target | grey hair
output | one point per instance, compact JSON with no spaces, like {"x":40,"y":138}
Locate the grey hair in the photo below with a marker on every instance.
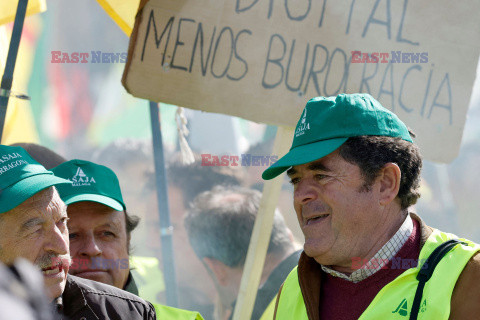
{"x":221,"y":228}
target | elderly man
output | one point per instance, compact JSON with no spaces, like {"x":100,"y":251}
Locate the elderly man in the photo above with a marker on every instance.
{"x":219,"y":226}
{"x":356,"y":172}
{"x":33,"y":225}
{"x":100,"y":229}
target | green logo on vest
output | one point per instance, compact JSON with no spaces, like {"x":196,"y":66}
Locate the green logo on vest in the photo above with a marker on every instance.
{"x":423,"y":308}
{"x":402,"y":308}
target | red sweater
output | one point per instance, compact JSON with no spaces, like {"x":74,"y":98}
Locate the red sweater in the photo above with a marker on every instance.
{"x":344,"y":300}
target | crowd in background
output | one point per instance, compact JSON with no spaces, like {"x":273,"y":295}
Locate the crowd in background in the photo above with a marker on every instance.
{"x":102,"y":124}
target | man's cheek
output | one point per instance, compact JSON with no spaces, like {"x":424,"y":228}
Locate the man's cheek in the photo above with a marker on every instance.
{"x":8,"y":252}
{"x":3,"y":256}
{"x":299,"y":216}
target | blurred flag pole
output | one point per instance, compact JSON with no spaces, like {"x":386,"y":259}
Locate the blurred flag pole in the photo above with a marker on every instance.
{"x":7,"y":78}
{"x":166,"y":230}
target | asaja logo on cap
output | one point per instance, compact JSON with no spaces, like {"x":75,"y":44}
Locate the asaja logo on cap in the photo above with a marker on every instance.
{"x":8,"y":157}
{"x":81,"y":179}
{"x":303,"y":125}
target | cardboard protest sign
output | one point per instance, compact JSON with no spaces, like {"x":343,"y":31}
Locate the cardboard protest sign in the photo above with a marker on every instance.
{"x":263,"y":59}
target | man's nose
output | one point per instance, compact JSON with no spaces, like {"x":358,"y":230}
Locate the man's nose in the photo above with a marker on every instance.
{"x":89,"y":246}
{"x":58,"y":242}
{"x":305,"y":191}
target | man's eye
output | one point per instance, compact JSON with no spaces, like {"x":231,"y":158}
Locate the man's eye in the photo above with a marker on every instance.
{"x":294,"y":181}
{"x":109,"y":234}
{"x":320,"y":176}
{"x":36,"y":230}
{"x":72,"y":235}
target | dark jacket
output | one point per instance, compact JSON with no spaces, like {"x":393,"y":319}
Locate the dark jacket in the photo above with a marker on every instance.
{"x":84,"y":299}
{"x":131,"y":285}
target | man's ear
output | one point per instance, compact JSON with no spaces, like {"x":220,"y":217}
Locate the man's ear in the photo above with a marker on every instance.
{"x":389,"y":182}
{"x":218,"y":269}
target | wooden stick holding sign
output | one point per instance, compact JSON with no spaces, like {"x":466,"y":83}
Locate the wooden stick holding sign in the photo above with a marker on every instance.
{"x":262,"y":230}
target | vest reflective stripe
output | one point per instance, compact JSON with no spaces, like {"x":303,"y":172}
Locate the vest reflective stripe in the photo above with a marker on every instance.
{"x":169,"y":313}
{"x":395,"y":300}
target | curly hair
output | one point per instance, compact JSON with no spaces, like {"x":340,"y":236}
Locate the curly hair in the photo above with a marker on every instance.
{"x":371,"y":153}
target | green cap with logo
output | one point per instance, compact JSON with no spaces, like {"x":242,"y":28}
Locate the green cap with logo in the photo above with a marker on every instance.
{"x":21,"y":177}
{"x":90,"y":182}
{"x":327,"y":122}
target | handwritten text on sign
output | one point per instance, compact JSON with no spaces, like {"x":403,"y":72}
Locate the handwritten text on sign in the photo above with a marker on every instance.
{"x":263,"y":59}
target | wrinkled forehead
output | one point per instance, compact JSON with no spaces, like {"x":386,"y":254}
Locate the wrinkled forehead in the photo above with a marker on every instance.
{"x":46,"y":204}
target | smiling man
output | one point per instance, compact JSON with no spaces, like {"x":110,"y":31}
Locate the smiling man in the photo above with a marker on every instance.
{"x":33,"y":219}
{"x":356,"y":172}
{"x":33,"y":225}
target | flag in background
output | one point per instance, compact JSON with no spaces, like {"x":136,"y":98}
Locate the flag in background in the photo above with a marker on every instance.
{"x":118,"y":114}
{"x":82,"y":106}
{"x":122,"y":12}
{"x":19,"y":122}
{"x":8,"y":9}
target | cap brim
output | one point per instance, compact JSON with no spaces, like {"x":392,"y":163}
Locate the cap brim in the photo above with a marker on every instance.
{"x":303,"y":154}
{"x":112,"y":203}
{"x":26,"y":188}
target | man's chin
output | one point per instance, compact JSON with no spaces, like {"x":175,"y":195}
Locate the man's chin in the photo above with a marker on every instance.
{"x":320,"y":254}
{"x":55,"y":284}
{"x":314,"y":248}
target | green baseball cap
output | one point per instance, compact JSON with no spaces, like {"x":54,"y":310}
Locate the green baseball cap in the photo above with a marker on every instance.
{"x":21,"y":177}
{"x":90,"y":182}
{"x":327,"y":122}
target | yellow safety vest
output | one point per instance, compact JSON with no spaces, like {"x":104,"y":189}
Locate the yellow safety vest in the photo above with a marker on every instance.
{"x":169,"y":313}
{"x":149,"y":279}
{"x":394,"y":301}
{"x":269,"y":311}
